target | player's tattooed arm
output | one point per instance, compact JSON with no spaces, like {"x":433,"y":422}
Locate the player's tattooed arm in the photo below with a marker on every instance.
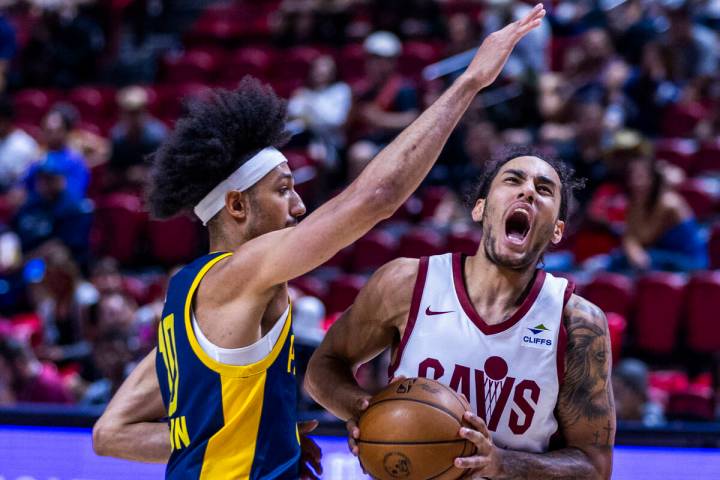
{"x":129,"y":428}
{"x":586,"y":411}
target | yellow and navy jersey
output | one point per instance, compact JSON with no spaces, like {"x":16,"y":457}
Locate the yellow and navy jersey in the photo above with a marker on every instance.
{"x":226,"y":421}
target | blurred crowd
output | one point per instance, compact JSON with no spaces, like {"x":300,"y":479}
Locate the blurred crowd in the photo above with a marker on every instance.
{"x":626,"y":91}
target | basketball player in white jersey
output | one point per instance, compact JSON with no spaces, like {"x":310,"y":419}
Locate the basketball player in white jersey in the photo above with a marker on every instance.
{"x":532,"y":358}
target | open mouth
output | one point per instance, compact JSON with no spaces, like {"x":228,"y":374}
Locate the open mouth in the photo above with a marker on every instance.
{"x":517,"y":226}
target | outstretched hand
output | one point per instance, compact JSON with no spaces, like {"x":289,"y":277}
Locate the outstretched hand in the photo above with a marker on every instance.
{"x":496,"y":48}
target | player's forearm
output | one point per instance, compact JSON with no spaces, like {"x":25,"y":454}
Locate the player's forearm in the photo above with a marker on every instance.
{"x":400,"y":167}
{"x":566,"y":463}
{"x":141,"y":442}
{"x":331,"y":383}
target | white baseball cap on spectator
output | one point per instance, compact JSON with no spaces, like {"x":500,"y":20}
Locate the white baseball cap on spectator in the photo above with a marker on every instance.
{"x":383,"y":44}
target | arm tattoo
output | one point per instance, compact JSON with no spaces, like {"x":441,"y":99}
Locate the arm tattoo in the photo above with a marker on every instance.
{"x":585,"y":395}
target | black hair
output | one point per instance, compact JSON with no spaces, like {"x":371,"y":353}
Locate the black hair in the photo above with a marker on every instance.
{"x":220,"y":131}
{"x":569,"y":183}
{"x":7,"y":109}
{"x":68,"y":113}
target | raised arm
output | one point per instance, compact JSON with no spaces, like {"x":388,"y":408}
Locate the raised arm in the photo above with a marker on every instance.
{"x":586,"y":412}
{"x":385,"y":183}
{"x":129,"y":428}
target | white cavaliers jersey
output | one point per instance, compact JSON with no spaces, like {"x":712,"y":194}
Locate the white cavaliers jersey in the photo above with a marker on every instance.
{"x":510,"y":372}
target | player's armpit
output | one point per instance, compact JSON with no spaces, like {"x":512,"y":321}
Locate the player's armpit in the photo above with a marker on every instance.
{"x":367,"y":328}
{"x":586,"y":407}
{"x":129,"y":427}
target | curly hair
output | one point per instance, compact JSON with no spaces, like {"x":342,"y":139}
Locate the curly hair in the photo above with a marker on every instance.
{"x":566,"y":173}
{"x":220,"y":131}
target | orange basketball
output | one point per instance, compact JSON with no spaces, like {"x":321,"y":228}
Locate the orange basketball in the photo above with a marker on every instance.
{"x":411,"y":431}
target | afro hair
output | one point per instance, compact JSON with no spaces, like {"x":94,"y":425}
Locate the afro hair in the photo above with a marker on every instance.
{"x":220,"y":131}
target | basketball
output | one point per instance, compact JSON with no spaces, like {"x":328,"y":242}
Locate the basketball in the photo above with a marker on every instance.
{"x":411,"y":430}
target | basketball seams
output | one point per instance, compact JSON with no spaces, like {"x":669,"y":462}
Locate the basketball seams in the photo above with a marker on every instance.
{"x":424,"y":402}
{"x":434,"y":442}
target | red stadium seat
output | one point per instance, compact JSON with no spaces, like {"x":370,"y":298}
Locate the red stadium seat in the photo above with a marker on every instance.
{"x":678,"y":151}
{"x":420,"y":242}
{"x":311,"y":285}
{"x":466,"y":241}
{"x":247,"y":61}
{"x":700,"y":196}
{"x":659,"y":300}
{"x":703,"y":305}
{"x":714,"y":247}
{"x":341,"y":260}
{"x":194,"y":66}
{"x":589,"y":242}
{"x":616,"y":326}
{"x":351,"y":62}
{"x":118,"y":226}
{"x":707,"y":158}
{"x":432,"y":197}
{"x":95,"y":105}
{"x":170,"y":98}
{"x":680,"y":120}
{"x":696,"y":403}
{"x":175,"y":241}
{"x":295,"y":63}
{"x":31,"y":105}
{"x":373,"y":251}
{"x":214,"y":31}
{"x":342,"y":292}
{"x":611,"y":292}
{"x":416,"y":56}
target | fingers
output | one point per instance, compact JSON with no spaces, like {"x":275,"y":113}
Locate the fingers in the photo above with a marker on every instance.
{"x":477,"y":423}
{"x":353,"y":435}
{"x":311,"y":451}
{"x":481,"y":442}
{"x":307,"y":426}
{"x":476,"y":461}
{"x":531,"y":20}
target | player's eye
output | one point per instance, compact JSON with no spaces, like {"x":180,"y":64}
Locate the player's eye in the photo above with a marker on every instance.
{"x":545,"y":190}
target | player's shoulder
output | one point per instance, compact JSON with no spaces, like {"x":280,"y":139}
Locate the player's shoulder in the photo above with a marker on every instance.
{"x":580,"y":312}
{"x":396,"y":276}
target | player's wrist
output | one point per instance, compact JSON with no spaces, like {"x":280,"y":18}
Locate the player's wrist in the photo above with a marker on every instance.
{"x":471,"y":82}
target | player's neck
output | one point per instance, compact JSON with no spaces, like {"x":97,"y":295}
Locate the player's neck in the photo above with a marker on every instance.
{"x":222,"y":242}
{"x":495,"y":292}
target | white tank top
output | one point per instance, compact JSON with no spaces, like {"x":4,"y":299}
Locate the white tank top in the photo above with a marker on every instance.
{"x":510,"y":372}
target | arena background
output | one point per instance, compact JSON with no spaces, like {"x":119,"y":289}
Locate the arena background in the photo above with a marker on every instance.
{"x":89,"y":88}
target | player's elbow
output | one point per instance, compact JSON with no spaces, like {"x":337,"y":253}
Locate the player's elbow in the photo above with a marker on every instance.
{"x":311,"y":382}
{"x":102,"y":434}
{"x":384,"y":200}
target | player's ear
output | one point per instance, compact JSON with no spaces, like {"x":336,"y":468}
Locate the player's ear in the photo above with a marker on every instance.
{"x":478,"y":210}
{"x":558,"y":232}
{"x":236,"y":203}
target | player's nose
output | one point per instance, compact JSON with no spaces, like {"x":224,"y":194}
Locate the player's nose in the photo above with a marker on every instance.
{"x":297,"y":207}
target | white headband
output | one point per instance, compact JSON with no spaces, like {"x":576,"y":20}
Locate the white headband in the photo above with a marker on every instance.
{"x":247,"y":175}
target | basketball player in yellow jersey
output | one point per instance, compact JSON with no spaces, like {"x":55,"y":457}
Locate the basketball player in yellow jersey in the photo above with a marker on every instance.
{"x":223,"y":371}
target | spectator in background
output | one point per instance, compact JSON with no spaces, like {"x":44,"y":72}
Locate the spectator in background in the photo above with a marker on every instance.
{"x":385,"y":102}
{"x":63,"y":300}
{"x":661,"y":232}
{"x":66,"y":162}
{"x":323,"y":106}
{"x":64,"y":48}
{"x":113,"y":359}
{"x":689,"y":49}
{"x":532,"y":53}
{"x":17,"y":149}
{"x":30,"y":379}
{"x":630,"y":386}
{"x":8,"y":48}
{"x":52,"y":211}
{"x":632,"y":28}
{"x":134,"y":137}
{"x":462,"y":34}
